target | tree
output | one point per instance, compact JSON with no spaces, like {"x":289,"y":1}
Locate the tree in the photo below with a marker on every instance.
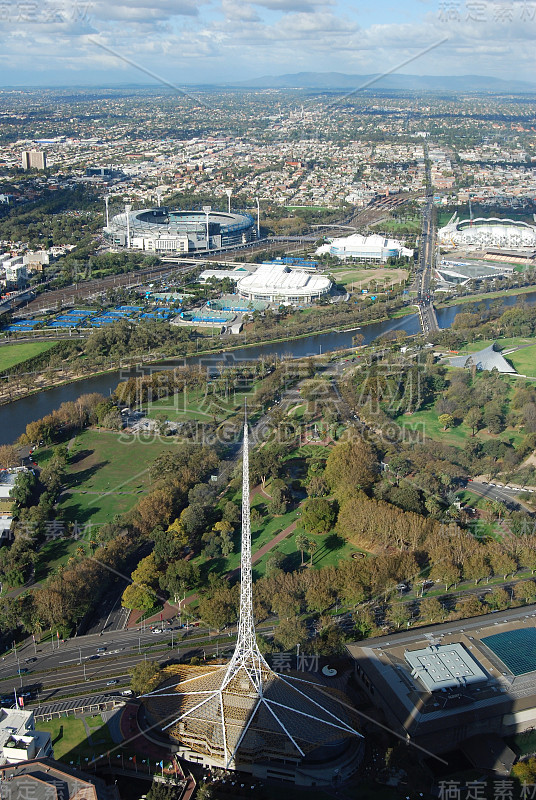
{"x":351,"y":465}
{"x":302,"y":543}
{"x":446,"y":571}
{"x":146,"y":571}
{"x":9,"y":456}
{"x":312,"y":547}
{"x":399,"y":614}
{"x":179,"y":578}
{"x":138,"y":597}
{"x":224,"y":531}
{"x":144,"y":677}
{"x":525,"y":591}
{"x":431,"y":610}
{"x":473,"y":418}
{"x":446,"y":420}
{"x":25,"y":489}
{"x":290,"y":632}
{"x":498,"y":599}
{"x":318,"y":515}
{"x":220,"y":608}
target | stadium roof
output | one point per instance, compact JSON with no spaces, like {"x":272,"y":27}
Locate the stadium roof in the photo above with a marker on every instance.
{"x":281,"y":278}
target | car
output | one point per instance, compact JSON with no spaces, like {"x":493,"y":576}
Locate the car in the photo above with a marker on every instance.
{"x":30,"y":660}
{"x":23,"y":670}
{"x":127,"y":693}
{"x":101,"y":649}
{"x":93,"y":657}
{"x":113,"y":682}
{"x":157,"y":630}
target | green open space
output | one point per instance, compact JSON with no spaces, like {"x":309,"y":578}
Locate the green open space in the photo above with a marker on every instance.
{"x":12,"y":354}
{"x":383,"y":275}
{"x":70,"y":740}
{"x":56,"y":553}
{"x":502,"y":344}
{"x":107,"y":474}
{"x":524,"y":361}
{"x":331,"y":550}
{"x":426,"y":422}
{"x":201,"y":405}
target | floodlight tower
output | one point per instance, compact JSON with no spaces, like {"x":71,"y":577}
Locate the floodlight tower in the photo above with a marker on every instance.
{"x":229,"y":192}
{"x":128,"y":209}
{"x":258,"y":218}
{"x":106,"y":201}
{"x":159,"y":196}
{"x":207,"y":210}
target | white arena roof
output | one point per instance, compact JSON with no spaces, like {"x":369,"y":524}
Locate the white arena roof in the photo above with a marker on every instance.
{"x":279,"y":282}
{"x":444,"y":667}
{"x":358,"y":246}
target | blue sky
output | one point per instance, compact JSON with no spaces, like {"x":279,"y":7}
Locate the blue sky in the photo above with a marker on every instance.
{"x":52,"y":42}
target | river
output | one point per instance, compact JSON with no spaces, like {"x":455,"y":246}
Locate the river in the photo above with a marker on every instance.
{"x":15,"y":416}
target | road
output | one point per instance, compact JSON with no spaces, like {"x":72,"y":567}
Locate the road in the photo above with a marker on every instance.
{"x":79,"y":665}
{"x":503,"y":494}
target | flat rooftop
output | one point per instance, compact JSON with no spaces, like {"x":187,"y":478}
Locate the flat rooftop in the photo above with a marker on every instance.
{"x":444,"y":666}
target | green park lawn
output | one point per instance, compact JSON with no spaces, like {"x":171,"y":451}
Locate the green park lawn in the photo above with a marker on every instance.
{"x":12,"y":354}
{"x":331,"y":549}
{"x":107,"y":474}
{"x":524,"y":361}
{"x":503,"y":344}
{"x":69,"y":738}
{"x":426,"y":423}
{"x":195,"y":404}
{"x":347,"y":275}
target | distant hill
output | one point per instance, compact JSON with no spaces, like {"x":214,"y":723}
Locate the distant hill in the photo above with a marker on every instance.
{"x":340,"y":80}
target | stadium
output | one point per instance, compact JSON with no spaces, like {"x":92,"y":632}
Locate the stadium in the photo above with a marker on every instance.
{"x":165,"y":230}
{"x":278,"y":283}
{"x":482,"y":233}
{"x":374,"y":249}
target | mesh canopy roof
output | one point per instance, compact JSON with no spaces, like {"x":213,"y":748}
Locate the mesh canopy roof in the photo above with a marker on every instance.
{"x":226,"y":719}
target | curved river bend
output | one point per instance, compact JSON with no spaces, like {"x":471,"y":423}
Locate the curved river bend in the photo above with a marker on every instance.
{"x":15,"y":416}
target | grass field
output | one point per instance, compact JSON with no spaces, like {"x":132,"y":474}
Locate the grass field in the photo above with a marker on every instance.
{"x":503,"y":344}
{"x":107,"y":474}
{"x":524,"y":361}
{"x":69,"y":738}
{"x":13,"y":354}
{"x":363,"y":277}
{"x":426,"y":423}
{"x":331,"y":549}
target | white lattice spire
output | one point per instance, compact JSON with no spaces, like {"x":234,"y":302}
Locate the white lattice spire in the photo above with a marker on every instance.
{"x":219,"y":709}
{"x":247,"y":654}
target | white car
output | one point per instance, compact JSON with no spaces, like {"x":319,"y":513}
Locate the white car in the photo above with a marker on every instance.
{"x":157,"y":630}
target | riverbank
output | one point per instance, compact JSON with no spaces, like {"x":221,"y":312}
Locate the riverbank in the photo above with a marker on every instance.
{"x":475,"y":298}
{"x":14,"y":394}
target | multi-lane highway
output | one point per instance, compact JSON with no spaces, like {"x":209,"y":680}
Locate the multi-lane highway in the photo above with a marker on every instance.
{"x":90,"y":663}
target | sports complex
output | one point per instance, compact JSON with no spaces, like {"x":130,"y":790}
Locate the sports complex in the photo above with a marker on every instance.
{"x":483,"y":232}
{"x":162,"y":229}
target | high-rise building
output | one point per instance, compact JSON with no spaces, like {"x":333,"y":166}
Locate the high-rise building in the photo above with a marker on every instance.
{"x":247,"y":717}
{"x":34,"y":159}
